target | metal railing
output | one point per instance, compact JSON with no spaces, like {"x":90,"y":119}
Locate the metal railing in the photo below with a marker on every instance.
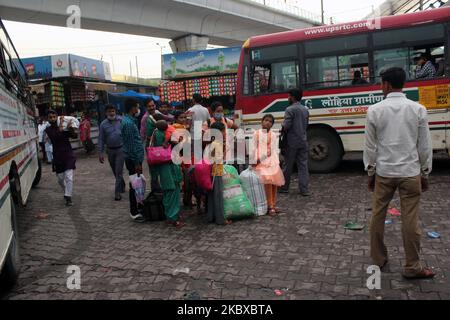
{"x":291,"y":9}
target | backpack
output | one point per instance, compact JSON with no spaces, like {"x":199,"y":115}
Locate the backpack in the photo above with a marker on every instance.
{"x":154,"y":208}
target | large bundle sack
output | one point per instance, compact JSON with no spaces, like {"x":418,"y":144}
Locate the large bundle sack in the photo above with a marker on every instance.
{"x":235,"y":201}
{"x":254,"y":190}
{"x":64,"y":121}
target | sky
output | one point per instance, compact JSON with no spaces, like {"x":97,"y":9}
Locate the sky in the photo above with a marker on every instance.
{"x":121,"y":50}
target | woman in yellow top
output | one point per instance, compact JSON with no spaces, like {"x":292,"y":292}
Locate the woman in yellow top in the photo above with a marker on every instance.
{"x":218,"y":116}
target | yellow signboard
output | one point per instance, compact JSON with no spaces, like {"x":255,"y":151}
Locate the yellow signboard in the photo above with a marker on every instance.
{"x":435,"y":97}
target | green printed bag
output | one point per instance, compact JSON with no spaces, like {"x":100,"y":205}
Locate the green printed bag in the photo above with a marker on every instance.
{"x":235,"y":201}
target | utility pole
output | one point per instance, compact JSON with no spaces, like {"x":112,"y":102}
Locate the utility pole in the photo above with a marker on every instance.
{"x":137,"y":68}
{"x":131,"y":72}
{"x":112,"y":60}
{"x":322,"y":11}
{"x":421,"y":5}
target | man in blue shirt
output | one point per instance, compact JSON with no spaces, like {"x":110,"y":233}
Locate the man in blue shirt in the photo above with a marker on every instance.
{"x":110,"y":134}
{"x":133,"y":151}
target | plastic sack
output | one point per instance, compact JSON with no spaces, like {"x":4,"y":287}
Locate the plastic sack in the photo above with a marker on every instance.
{"x":138,"y":184}
{"x":202,"y":176}
{"x":254,"y":190}
{"x":235,"y":201}
{"x":66,"y":120}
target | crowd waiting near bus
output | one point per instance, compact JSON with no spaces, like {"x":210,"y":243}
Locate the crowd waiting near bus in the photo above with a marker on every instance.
{"x":397,"y":155}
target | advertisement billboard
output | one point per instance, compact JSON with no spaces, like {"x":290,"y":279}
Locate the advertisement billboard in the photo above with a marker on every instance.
{"x":200,"y":63}
{"x":86,"y":68}
{"x":38,"y":68}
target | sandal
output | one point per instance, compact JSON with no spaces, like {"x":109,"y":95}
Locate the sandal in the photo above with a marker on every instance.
{"x":425,"y":273}
{"x":228,"y":222}
{"x":272,"y":212}
{"x":179,"y":224}
{"x":277,"y":210}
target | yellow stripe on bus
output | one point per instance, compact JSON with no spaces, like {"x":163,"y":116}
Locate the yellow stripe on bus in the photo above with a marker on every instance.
{"x":11,"y":155}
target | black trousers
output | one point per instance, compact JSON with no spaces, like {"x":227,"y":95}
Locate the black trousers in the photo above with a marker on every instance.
{"x":134,"y":206}
{"x":44,"y":155}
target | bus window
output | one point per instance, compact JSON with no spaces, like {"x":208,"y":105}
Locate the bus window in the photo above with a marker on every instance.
{"x":261,"y":77}
{"x":337,"y":70}
{"x":325,"y":46}
{"x":421,"y":34}
{"x":407,"y":58}
{"x":322,"y":72}
{"x":272,"y":53}
{"x":284,"y":76}
{"x":386,"y":59}
{"x":275,"y":77}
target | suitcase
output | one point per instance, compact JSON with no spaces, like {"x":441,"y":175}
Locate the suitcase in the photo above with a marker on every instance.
{"x":154,"y":208}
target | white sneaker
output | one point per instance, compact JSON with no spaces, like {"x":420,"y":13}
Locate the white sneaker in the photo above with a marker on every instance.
{"x":137,"y":218}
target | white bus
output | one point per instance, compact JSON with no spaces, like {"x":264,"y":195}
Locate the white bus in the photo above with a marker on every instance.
{"x":19,"y":164}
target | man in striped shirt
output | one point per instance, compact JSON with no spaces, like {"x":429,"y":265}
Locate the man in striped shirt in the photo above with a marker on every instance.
{"x":425,"y":68}
{"x":133,"y":151}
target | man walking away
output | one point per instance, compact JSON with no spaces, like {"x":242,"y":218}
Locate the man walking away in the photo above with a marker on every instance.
{"x":110,"y":134}
{"x":397,"y":155}
{"x":63,"y":157}
{"x":133,"y":151}
{"x":296,"y":120}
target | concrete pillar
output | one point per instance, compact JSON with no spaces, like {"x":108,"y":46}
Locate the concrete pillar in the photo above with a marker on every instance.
{"x":190,"y":42}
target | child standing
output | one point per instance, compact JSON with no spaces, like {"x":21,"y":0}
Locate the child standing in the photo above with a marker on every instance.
{"x":267,"y":165}
{"x":215,"y":208}
{"x":169,"y":176}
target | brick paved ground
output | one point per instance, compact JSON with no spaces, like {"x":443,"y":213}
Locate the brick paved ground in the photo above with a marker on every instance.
{"x":250,"y":259}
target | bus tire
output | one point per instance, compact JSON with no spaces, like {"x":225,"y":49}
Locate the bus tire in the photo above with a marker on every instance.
{"x":325,"y":150}
{"x":15,"y":187}
{"x":38,"y":176}
{"x":11,"y":267}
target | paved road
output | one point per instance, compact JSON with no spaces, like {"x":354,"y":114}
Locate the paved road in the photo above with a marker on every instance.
{"x":250,"y":259}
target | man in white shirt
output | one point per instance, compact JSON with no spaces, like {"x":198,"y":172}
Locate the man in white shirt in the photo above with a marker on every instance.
{"x":42,"y":125}
{"x":198,"y":113}
{"x":397,"y":155}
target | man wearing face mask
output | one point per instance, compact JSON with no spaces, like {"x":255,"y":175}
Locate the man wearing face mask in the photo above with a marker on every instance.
{"x":63,"y":157}
{"x":133,"y":151}
{"x":110,"y":135}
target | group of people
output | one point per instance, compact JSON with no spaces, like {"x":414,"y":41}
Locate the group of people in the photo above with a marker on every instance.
{"x":126,"y":144}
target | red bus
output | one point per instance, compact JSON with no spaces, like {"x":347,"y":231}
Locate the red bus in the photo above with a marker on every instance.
{"x":338,"y":67}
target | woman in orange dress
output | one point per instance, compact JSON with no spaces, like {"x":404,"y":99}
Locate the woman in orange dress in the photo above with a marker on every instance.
{"x":267,"y":165}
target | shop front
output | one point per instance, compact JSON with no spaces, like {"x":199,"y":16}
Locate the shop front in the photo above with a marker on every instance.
{"x":212,"y":73}
{"x":72,"y":85}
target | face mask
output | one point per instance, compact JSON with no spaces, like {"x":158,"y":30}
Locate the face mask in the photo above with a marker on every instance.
{"x":53,"y":123}
{"x":111,"y":118}
{"x":218,"y":116}
{"x":137,"y":114}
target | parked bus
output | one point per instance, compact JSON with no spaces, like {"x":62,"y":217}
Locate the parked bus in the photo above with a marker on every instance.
{"x":19,"y":164}
{"x":338,"y":67}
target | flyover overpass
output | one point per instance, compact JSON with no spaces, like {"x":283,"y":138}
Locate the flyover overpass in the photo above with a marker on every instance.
{"x":191,"y":24}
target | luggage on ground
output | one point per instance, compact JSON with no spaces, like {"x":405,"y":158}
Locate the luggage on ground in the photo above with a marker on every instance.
{"x":254,"y":190}
{"x":154,"y":208}
{"x":235,"y":201}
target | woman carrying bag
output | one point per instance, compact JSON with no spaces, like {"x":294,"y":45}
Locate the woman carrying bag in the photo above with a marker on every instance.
{"x":168,"y":174}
